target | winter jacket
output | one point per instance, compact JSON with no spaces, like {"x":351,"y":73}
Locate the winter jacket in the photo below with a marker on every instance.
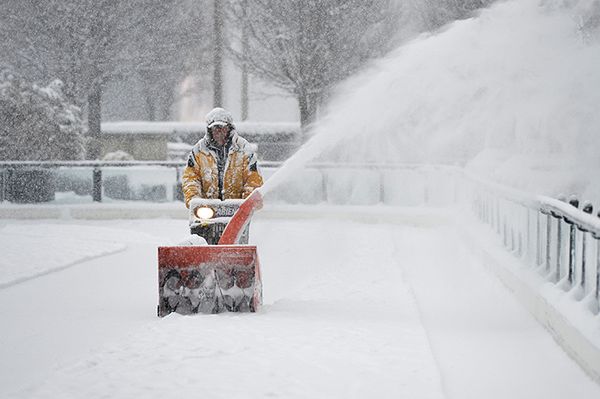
{"x":221,"y":173}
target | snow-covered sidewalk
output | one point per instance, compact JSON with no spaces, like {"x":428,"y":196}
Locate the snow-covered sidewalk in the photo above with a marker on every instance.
{"x":31,"y":250}
{"x":351,"y":310}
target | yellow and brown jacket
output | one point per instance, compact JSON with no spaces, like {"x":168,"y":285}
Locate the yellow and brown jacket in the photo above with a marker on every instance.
{"x":221,"y":173}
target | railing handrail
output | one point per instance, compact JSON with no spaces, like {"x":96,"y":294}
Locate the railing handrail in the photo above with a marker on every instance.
{"x":569,"y":213}
{"x":57,"y":164}
{"x":265,"y":164}
{"x":544,"y":204}
{"x":508,"y":193}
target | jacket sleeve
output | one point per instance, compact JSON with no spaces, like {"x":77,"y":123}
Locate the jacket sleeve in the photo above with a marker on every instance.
{"x":253,"y":178}
{"x":191,"y":180}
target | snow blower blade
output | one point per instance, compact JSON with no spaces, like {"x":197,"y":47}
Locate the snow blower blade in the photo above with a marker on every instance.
{"x":212,"y":278}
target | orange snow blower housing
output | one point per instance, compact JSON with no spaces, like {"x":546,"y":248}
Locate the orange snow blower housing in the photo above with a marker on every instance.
{"x":213,"y":278}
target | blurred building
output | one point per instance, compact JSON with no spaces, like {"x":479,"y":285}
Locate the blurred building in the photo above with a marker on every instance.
{"x":274,"y":141}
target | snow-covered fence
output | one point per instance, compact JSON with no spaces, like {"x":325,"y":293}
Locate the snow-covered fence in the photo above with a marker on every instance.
{"x":557,"y":245}
{"x":367,"y":184}
{"x":97,"y":172}
{"x":556,"y":238}
{"x":338,"y":184}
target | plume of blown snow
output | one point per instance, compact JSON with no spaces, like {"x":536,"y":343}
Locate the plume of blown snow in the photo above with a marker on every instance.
{"x":512,"y":93}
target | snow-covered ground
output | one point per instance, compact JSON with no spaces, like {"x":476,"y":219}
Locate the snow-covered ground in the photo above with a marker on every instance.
{"x":393,"y":306}
{"x":351,"y":310}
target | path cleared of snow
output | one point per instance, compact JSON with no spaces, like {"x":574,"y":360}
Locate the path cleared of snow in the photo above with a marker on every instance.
{"x":351,"y":310}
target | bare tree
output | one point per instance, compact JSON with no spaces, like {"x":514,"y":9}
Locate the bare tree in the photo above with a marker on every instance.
{"x":218,"y":48}
{"x":305,"y":47}
{"x":74,"y":40}
{"x":177,"y":44}
{"x":428,"y":15}
{"x":87,"y":42}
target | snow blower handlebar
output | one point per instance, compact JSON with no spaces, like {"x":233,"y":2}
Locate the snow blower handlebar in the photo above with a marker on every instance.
{"x":236,"y":225}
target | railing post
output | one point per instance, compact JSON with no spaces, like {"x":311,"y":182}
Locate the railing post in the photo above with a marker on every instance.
{"x":597,"y":294}
{"x":517,"y":234}
{"x":425,"y":193}
{"x":511,"y":229}
{"x":558,"y":248}
{"x":528,"y":234}
{"x":548,"y":242}
{"x":490,"y":212}
{"x":572,"y":243}
{"x":177,"y":189}
{"x":10,"y":175}
{"x":381,"y":186}
{"x":538,"y":241}
{"x":324,"y":185}
{"x":483,"y":209}
{"x":498,"y":216}
{"x":587,"y":208}
{"x":97,"y":184}
{"x":4,"y":185}
{"x":597,"y":289}
{"x":504,"y":232}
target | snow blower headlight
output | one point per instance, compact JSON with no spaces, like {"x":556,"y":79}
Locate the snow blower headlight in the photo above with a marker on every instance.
{"x":204,"y":212}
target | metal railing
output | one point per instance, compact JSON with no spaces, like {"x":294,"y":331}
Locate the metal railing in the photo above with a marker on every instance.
{"x":556,"y":237}
{"x":327,"y":185}
{"x":7,"y":169}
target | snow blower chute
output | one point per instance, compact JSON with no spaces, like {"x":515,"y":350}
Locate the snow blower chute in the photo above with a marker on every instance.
{"x":219,"y":275}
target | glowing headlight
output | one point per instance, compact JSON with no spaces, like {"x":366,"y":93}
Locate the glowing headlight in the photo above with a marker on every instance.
{"x":204,"y":212}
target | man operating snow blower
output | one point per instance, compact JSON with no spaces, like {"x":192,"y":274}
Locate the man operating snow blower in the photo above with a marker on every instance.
{"x":220,"y":185}
{"x":222,"y":166}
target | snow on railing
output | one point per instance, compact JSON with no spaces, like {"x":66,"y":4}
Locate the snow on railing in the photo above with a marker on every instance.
{"x":555,"y":237}
{"x":367,"y":184}
{"x":334,"y":183}
{"x":9,"y":168}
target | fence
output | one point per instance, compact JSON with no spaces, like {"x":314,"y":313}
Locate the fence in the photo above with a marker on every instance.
{"x":557,"y":238}
{"x":9,"y":174}
{"x":358,"y":184}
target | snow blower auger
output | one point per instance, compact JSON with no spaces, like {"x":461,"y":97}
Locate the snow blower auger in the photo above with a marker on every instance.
{"x":201,"y":277}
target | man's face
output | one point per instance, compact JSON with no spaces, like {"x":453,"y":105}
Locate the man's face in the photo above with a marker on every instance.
{"x":220,"y":134}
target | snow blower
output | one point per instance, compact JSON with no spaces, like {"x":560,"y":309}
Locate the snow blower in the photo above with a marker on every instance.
{"x":215,"y":270}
